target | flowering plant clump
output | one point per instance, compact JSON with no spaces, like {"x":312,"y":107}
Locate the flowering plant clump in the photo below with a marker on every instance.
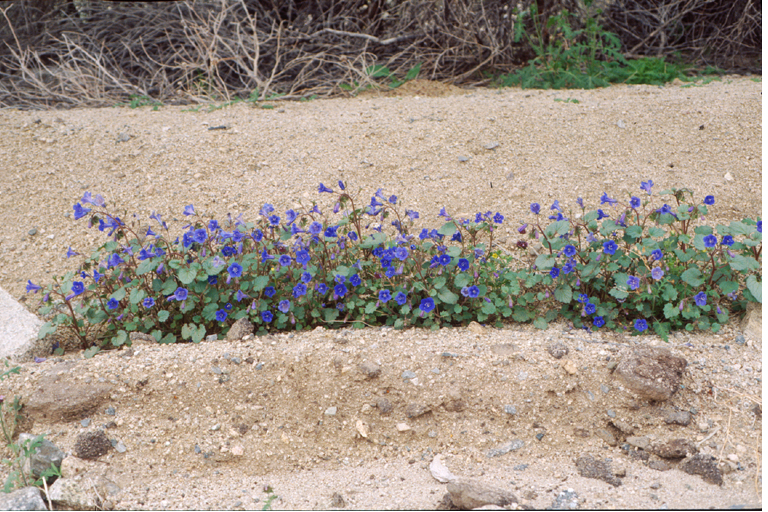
{"x":632,"y":268}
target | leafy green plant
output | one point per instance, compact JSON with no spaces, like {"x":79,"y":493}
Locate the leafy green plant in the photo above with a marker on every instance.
{"x":138,"y":101}
{"x":633,"y":267}
{"x":568,"y":100}
{"x":381,"y":71}
{"x":270,"y":498}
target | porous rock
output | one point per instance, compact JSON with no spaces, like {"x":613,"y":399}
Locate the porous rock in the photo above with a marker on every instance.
{"x":752,"y":324}
{"x":26,"y":498}
{"x":416,"y":410}
{"x":42,"y":457}
{"x":468,"y":494}
{"x":674,"y":449}
{"x":369,"y":369}
{"x":652,"y":373}
{"x":704,"y":466}
{"x":67,"y":493}
{"x":589,"y":467}
{"x":92,"y":445}
{"x":384,"y":405}
{"x":557,"y":349}
{"x":678,"y":418}
{"x":60,"y":397}
{"x":239,"y":330}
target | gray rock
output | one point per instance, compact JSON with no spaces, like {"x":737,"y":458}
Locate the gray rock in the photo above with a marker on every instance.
{"x":704,"y":466}
{"x":641,"y":442}
{"x":589,"y":467}
{"x":513,"y":445}
{"x":566,"y":500}
{"x":42,"y":457}
{"x":674,"y":449}
{"x":384,"y":405}
{"x":408,"y":374}
{"x":557,"y":349}
{"x":416,"y":410}
{"x":659,"y":465}
{"x":239,"y":330}
{"x":678,"y":418}
{"x":337,"y":501}
{"x":606,"y":436}
{"x":623,"y":426}
{"x":67,"y":493}
{"x":123,"y":137}
{"x":60,"y":397}
{"x":510,"y":409}
{"x":467,"y":494}
{"x":18,"y":328}
{"x":652,"y":373}
{"x":91,"y":445}
{"x":27,"y":498}
{"x":138,"y":338}
{"x":752,"y":324}
{"x":369,"y":369}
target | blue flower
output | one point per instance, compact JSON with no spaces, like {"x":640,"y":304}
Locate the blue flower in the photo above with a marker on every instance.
{"x":657,"y":273}
{"x":71,"y":253}
{"x":554,"y":272}
{"x":580,"y":202}
{"x":78,"y":287}
{"x":323,"y":188}
{"x":213,"y":280}
{"x":568,"y":267}
{"x":355,"y":280}
{"x":759,"y":226}
{"x":221,"y":315}
{"x":285,"y":260}
{"x":401,"y":253}
{"x":237,"y":236}
{"x":427,"y":305}
{"x":180,"y":294}
{"x":200,"y":235}
{"x":727,"y":240}
{"x":235,"y":270}
{"x":341,"y":185}
{"x":634,"y":202}
{"x":306,"y":277}
{"x":340,"y":290}
{"x":605,"y":199}
{"x":609,"y":247}
{"x":257,"y":235}
{"x":633,"y":282}
{"x":710,"y":241}
{"x":641,"y":324}
{"x":284,"y":306}
{"x":352,"y":236}
{"x":266,"y":316}
{"x":80,"y":212}
{"x":393,"y":199}
{"x":330,"y":232}
{"x":187,"y":239}
{"x":290,"y":216}
{"x":413,"y":215}
{"x":444,"y":259}
{"x":701,"y":299}
{"x":657,"y":254}
{"x":340,"y":306}
{"x":274,"y":220}
{"x":213,"y":225}
{"x":385,"y":295}
{"x":189,"y":210}
{"x":340,"y":279}
{"x":569,"y":251}
{"x":269,"y":291}
{"x":589,"y":308}
{"x":498,"y":218}
{"x":601,"y":214}
{"x":463,"y":264}
{"x":665,"y":209}
{"x":299,"y":290}
{"x":149,"y":302}
{"x":31,"y":287}
{"x":240,"y":296}
{"x":401,"y":298}
{"x":473,"y":292}
{"x":598,"y":321}
{"x":112,"y":304}
{"x":535,"y":208}
{"x":646,"y":185}
{"x":315,"y":228}
{"x":456,"y":237}
{"x":709,"y":200}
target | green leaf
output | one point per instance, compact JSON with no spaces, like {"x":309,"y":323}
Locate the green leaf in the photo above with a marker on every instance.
{"x":618,"y":293}
{"x":378,"y":71}
{"x":692,"y":277}
{"x":557,"y":229}
{"x":698,"y":242}
{"x":330,"y":314}
{"x":193,"y":332}
{"x":447,"y":296}
{"x":520,"y":314}
{"x":657,"y":232}
{"x":120,"y":339}
{"x":137,"y":295}
{"x":545,"y":262}
{"x":168,"y":339}
{"x":413,"y":72}
{"x":90,"y":352}
{"x":670,"y":310}
{"x":448,"y":229}
{"x":438,"y":283}
{"x":373,"y":240}
{"x":260,"y":283}
{"x":45,"y":330}
{"x":635,"y":231}
{"x":461,"y":280}
{"x":370,"y":308}
{"x":564,"y":293}
{"x":755,"y":287}
{"x":145,"y":266}
{"x":742,"y":263}
{"x":488,"y":308}
{"x":399,"y":323}
{"x":669,"y":293}
{"x":163,"y":315}
{"x":187,"y":275}
{"x":540,"y":323}
{"x":119,"y":294}
{"x":703,"y":230}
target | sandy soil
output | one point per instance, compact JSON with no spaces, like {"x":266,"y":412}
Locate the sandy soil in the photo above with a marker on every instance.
{"x":197,"y":440}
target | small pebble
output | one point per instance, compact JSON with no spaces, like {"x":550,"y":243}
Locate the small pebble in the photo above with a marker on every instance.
{"x":611,"y":413}
{"x":510,"y":409}
{"x":408,"y":374}
{"x":85,"y":422}
{"x":331,"y":411}
{"x":110,"y":411}
{"x":32,"y":232}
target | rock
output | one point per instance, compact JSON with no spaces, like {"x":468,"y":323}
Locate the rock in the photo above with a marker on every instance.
{"x":416,"y":410}
{"x":606,"y":436}
{"x":469,"y":494}
{"x":557,"y":349}
{"x":123,"y":137}
{"x":455,"y":402}
{"x":510,"y":409}
{"x":72,"y":466}
{"x":43,"y":455}
{"x":704,"y":466}
{"x":678,"y":418}
{"x":331,"y":411}
{"x":641,"y":442}
{"x":408,"y":374}
{"x":439,"y":472}
{"x":728,"y":176}
{"x":18,"y":329}
{"x":659,"y":465}
{"x":384,"y":405}
{"x":27,"y":498}
{"x":570,"y":367}
{"x":675,"y":449}
{"x":566,"y":500}
{"x":370,"y":370}
{"x":513,"y":445}
{"x":61,"y":398}
{"x":589,"y":467}
{"x":653,"y":373}
{"x":92,"y":445}
{"x":239,"y":330}
{"x":752,"y":324}
{"x":362,"y":428}
{"x":622,"y":425}
{"x":141,"y":338}
{"x":476,"y":328}
{"x":68,"y":493}
{"x":337,"y":501}
{"x":402,"y":427}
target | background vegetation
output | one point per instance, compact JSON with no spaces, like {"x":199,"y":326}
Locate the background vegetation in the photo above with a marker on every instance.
{"x":88,"y":53}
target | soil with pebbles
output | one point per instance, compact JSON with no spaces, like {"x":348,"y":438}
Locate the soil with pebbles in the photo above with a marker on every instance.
{"x":212,"y":425}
